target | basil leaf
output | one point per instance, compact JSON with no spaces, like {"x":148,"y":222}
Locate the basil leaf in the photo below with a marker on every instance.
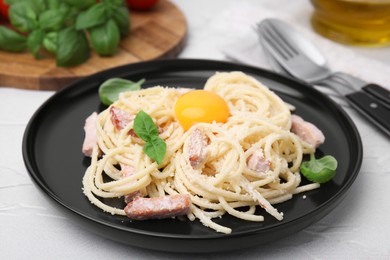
{"x":110,"y":89}
{"x":50,"y":42}
{"x":23,"y":16}
{"x":155,"y":149}
{"x":37,"y":5}
{"x":81,"y":4}
{"x":115,"y":2}
{"x":105,"y":38}
{"x":54,"y":4}
{"x":144,"y":126}
{"x":72,"y":47}
{"x":34,"y":42}
{"x":321,"y":170}
{"x":53,"y":19}
{"x":122,"y":19}
{"x":10,"y":2}
{"x":11,"y":40}
{"x":93,"y":16}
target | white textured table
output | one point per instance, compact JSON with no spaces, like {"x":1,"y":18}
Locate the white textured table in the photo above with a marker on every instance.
{"x":30,"y":228}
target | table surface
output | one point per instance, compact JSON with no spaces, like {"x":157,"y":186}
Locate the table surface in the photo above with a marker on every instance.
{"x":31,"y":228}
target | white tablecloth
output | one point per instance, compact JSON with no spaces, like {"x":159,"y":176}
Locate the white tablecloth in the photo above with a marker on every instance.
{"x":358,"y":228}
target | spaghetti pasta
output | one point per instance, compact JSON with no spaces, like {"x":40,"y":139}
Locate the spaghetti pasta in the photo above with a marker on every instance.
{"x":252,"y":159}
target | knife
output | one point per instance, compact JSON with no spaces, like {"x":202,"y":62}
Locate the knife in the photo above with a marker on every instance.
{"x":369,"y":101}
{"x":379,"y":92}
{"x":373,"y":109}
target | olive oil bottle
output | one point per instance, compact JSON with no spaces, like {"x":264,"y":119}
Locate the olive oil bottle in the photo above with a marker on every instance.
{"x":353,"y":22}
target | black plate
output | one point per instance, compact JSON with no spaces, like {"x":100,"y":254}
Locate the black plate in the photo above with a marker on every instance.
{"x":52,"y":154}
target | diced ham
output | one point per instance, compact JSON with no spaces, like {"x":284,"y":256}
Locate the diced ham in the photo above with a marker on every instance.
{"x":90,"y":138}
{"x":197,"y":148}
{"x":128,"y":170}
{"x":257,"y":162}
{"x":120,"y":118}
{"x":307,"y":131}
{"x":158,"y":208}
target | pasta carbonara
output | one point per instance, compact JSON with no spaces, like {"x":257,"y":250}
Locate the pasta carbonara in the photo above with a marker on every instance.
{"x":230,"y":167}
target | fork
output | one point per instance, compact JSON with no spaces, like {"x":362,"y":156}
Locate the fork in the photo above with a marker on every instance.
{"x":322,"y":85}
{"x":304,"y":62}
{"x":284,"y":52}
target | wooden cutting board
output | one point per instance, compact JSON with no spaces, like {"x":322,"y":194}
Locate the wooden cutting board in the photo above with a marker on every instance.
{"x":155,"y":34}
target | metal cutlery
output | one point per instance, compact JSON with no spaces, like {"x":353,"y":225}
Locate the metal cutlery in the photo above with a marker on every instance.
{"x":321,"y":85}
{"x":303,"y":61}
{"x":287,"y":44}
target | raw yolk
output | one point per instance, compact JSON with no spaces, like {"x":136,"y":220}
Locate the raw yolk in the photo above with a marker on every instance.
{"x":200,"y":106}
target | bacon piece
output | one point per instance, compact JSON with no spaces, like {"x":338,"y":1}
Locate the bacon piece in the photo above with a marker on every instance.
{"x":158,"y":208}
{"x":90,"y":139}
{"x":128,"y":170}
{"x":120,"y":118}
{"x":197,"y":149}
{"x":307,"y":131}
{"x":257,"y":162}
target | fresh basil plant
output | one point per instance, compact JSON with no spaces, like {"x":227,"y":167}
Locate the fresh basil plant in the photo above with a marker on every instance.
{"x":64,"y":27}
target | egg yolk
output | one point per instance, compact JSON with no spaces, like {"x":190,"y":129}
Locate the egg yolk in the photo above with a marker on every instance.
{"x":200,"y":106}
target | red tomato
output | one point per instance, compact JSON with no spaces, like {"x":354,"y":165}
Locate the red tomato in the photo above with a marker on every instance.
{"x":141,"y":4}
{"x":4,"y":9}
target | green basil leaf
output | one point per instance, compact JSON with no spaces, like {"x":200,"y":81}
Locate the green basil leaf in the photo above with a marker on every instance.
{"x":81,"y":4}
{"x":34,"y":42}
{"x":50,"y":42}
{"x":37,"y":5}
{"x":54,"y":4}
{"x":122,"y":19}
{"x":105,"y":38}
{"x":114,"y":2}
{"x":93,"y":16}
{"x":72,"y":47}
{"x":155,"y":149}
{"x":71,"y":18}
{"x":11,"y":40}
{"x":321,"y":170}
{"x":53,"y":19}
{"x":144,"y":126}
{"x":110,"y":89}
{"x":23,"y":16}
{"x":10,"y":2}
